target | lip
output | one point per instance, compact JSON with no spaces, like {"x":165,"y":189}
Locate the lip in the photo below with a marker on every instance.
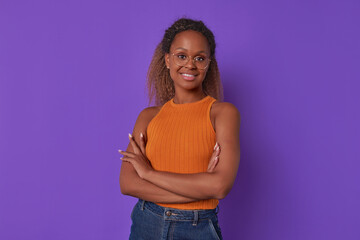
{"x":188,"y":78}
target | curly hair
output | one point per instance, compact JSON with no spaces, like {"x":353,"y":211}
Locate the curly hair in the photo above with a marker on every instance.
{"x":159,"y":82}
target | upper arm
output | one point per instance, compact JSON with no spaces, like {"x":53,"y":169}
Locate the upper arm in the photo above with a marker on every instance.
{"x":127,"y":171}
{"x":140,"y":126}
{"x":227,"y":125}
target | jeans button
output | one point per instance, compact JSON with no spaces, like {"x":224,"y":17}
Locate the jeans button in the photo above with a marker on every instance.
{"x":168,"y":213}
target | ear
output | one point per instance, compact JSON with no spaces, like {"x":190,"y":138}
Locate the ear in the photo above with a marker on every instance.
{"x":167,"y":60}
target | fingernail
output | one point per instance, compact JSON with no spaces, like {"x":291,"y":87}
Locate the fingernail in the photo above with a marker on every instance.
{"x":218,"y":147}
{"x":119,"y":150}
{"x":215,"y":145}
{"x":141,"y":135}
{"x":130,"y":136}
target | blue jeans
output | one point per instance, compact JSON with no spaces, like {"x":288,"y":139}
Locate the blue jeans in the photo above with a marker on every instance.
{"x":151,"y":221}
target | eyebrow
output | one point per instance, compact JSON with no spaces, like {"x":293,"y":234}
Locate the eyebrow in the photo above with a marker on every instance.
{"x":186,"y":50}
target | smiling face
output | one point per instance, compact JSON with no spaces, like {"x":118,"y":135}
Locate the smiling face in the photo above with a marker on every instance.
{"x":189,"y":43}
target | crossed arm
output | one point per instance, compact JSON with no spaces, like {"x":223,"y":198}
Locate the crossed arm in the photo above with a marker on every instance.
{"x":167,"y":187}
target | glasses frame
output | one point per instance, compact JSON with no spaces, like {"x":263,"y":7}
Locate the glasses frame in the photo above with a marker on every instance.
{"x":193,"y":60}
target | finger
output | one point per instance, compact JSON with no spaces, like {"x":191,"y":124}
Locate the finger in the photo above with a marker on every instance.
{"x":216,"y":160}
{"x":214,"y":153}
{"x":142,"y":143}
{"x":218,"y":150}
{"x":134,"y":144}
{"x":130,"y":154}
{"x":215,"y":145}
{"x":126,"y":159}
{"x":212,"y":164}
{"x":215,"y":163}
{"x":211,"y":161}
{"x":210,"y":169}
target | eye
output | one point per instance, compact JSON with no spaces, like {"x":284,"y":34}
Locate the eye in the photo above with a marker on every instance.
{"x":181,"y":56}
{"x":199,"y":59}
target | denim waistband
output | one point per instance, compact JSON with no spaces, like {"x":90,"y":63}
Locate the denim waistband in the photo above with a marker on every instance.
{"x":178,"y":214}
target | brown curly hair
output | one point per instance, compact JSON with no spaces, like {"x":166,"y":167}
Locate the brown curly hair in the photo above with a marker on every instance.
{"x":159,"y":82}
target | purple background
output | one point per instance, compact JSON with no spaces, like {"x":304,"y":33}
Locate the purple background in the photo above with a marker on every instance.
{"x":72,"y":82}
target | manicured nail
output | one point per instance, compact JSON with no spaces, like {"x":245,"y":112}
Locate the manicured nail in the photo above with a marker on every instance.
{"x":130,"y":136}
{"x":141,"y":135}
{"x":215,"y":145}
{"x":218,"y":147}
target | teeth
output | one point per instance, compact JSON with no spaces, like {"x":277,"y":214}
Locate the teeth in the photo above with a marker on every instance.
{"x":188,"y":75}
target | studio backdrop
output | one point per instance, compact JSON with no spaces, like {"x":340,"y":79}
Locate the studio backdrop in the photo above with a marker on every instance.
{"x":72,"y":83}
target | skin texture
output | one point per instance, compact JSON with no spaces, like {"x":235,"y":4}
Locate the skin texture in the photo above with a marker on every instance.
{"x":139,"y":179}
{"x":190,"y":43}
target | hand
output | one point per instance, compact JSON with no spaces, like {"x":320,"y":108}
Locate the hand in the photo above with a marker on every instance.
{"x":214,"y":158}
{"x":138,"y":158}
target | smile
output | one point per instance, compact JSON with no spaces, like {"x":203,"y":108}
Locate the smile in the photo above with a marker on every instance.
{"x":188,"y":76}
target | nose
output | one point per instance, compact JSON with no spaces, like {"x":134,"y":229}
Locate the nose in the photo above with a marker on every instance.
{"x":190,"y":64}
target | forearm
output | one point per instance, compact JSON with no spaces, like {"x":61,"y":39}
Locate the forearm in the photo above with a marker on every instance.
{"x":202,"y":185}
{"x":150,"y":192}
{"x":131,"y":184}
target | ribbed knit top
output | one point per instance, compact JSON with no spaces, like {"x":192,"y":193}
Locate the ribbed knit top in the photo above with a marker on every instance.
{"x":181,"y":139}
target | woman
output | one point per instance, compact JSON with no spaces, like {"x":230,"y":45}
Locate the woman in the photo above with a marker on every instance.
{"x":173,"y":162}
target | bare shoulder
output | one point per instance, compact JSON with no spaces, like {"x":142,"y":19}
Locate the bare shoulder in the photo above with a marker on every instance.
{"x":142,"y":121}
{"x":149,"y":113}
{"x":225,"y":110}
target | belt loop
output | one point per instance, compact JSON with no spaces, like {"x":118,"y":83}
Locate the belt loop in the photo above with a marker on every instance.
{"x":196,"y":217}
{"x":217,"y":209}
{"x":142,"y":205}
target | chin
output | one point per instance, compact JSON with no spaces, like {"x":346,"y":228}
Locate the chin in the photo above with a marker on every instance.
{"x":190,"y":85}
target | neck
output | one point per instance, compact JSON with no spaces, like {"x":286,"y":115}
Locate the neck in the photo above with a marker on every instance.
{"x":181,"y":98}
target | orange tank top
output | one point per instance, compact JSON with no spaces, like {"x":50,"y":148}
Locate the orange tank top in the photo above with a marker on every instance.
{"x":181,"y":139}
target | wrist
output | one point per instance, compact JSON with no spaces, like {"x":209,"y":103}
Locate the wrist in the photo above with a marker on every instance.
{"x":148,"y":174}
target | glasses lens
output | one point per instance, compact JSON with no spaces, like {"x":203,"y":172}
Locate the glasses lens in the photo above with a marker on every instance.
{"x":201,"y":62}
{"x":182,"y":59}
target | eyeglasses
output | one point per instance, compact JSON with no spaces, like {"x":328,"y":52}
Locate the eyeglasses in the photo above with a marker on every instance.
{"x":181,"y":59}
